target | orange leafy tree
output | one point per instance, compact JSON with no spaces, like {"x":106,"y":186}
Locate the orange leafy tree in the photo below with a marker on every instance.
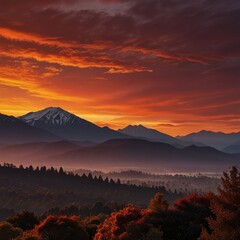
{"x":129,"y":223}
{"x":226,"y":208}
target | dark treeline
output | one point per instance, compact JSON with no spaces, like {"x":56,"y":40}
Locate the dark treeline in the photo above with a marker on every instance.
{"x":172,"y":182}
{"x":194,"y":217}
{"x":40,"y":189}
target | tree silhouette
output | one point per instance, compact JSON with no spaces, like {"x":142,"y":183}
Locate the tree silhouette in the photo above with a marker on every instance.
{"x":29,"y":189}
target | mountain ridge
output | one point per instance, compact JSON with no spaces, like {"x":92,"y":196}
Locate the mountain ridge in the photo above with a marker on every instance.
{"x":13,"y":130}
{"x":150,"y":134}
{"x":132,"y":153}
{"x":68,"y":126}
{"x":219,"y":140}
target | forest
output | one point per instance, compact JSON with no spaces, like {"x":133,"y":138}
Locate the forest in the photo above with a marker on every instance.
{"x":75,"y":216}
{"x":40,"y":189}
{"x":185,"y":183}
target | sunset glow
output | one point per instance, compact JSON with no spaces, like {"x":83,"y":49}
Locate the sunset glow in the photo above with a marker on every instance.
{"x":115,"y":63}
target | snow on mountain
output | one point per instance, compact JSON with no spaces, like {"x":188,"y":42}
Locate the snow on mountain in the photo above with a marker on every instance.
{"x":52,"y":115}
{"x":69,"y":126}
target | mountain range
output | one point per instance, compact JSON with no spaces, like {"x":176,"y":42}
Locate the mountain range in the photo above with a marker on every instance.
{"x":118,"y":154}
{"x":68,"y":126}
{"x":56,"y":124}
{"x":139,"y":131}
{"x":218,"y":140}
{"x":54,"y":136}
{"x":143,"y":154}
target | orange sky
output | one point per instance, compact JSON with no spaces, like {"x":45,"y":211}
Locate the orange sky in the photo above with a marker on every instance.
{"x":115,"y":64}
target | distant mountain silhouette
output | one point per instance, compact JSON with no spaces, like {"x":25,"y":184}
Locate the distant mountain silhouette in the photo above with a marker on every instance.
{"x":68,"y":126}
{"x":137,"y":153}
{"x":84,"y":143}
{"x":28,"y":153}
{"x":139,"y":131}
{"x":13,"y":130}
{"x":235,"y":148}
{"x":217,"y":140}
{"x":121,"y":154}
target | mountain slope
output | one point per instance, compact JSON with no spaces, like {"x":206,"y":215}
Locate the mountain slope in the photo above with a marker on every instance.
{"x":155,"y":156}
{"x":28,"y":153}
{"x":121,"y":154}
{"x":13,"y":130}
{"x":140,"y":131}
{"x":217,"y":140}
{"x":235,"y":148}
{"x":68,"y":126}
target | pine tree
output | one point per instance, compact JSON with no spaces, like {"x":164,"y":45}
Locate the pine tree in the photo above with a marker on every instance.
{"x":226,"y":208}
{"x":90,"y":177}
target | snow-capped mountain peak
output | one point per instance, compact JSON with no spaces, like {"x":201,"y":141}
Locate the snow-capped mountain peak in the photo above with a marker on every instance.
{"x":68,"y":126}
{"x":51,"y":115}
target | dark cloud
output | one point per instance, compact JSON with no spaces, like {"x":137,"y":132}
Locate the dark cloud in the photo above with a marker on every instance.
{"x":176,"y":57}
{"x":194,"y":31}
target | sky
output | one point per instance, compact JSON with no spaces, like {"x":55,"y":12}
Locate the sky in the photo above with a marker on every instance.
{"x":170,"y":65}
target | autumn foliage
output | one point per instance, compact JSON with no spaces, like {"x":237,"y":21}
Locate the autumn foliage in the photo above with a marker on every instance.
{"x":194,"y":217}
{"x":129,"y":223}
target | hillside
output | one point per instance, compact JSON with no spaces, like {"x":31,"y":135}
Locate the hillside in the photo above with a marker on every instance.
{"x":41,"y":189}
{"x":120,"y":154}
{"x":141,"y":154}
{"x":13,"y":130}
